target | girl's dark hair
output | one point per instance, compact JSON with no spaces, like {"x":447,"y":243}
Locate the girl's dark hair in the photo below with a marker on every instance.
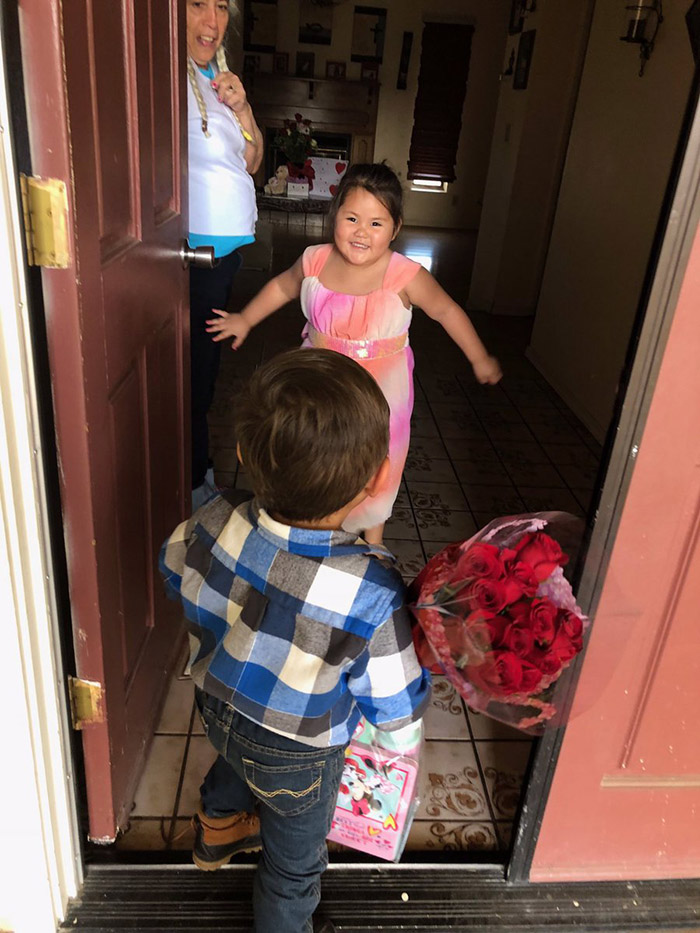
{"x":376,"y":178}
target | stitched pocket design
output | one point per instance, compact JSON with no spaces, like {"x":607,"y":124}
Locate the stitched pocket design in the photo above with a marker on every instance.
{"x":286,"y":789}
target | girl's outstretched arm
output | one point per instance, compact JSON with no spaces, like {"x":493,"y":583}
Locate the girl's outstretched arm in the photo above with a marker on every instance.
{"x":425,"y":292}
{"x":283,"y":288}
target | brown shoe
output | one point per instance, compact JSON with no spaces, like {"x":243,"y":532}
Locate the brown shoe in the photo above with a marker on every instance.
{"x":218,"y":839}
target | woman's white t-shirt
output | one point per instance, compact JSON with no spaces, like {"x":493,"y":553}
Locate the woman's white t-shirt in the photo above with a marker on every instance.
{"x":221,"y":192}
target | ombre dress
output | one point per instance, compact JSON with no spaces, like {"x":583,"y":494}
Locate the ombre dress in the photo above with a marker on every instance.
{"x":372,"y":329}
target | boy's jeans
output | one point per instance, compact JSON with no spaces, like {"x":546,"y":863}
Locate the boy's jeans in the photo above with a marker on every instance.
{"x":296,"y":787}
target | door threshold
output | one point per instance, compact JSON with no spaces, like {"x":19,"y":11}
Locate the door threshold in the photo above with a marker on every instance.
{"x":390,"y":898}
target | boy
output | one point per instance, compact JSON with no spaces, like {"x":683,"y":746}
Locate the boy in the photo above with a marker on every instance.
{"x":300,"y":626}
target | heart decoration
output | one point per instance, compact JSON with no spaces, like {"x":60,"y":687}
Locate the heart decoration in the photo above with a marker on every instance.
{"x":332,"y":188}
{"x":372,"y":831}
{"x":340,"y":167}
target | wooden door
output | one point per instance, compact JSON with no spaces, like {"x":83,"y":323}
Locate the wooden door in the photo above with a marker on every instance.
{"x":106,"y":109}
{"x":625,"y":798}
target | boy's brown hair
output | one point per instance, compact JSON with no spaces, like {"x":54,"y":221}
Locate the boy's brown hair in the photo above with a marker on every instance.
{"x":313,"y":429}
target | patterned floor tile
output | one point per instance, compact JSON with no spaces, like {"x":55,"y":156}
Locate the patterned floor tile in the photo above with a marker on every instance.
{"x":427,"y":448}
{"x":501,"y":499}
{"x":445,"y":717}
{"x":450,"y":786}
{"x":409,"y":555}
{"x":520,"y":452}
{"x":485,"y":728}
{"x":444,"y":496}
{"x":545,"y":500}
{"x":158,"y":787}
{"x":424,"y":427}
{"x":579,"y":476}
{"x":452,"y":836}
{"x":401,"y":525}
{"x":177,"y":711}
{"x":535,"y":474}
{"x":509,"y":432}
{"x":504,"y":765}
{"x":200,"y":757}
{"x":429,"y":470}
{"x":481,"y":473}
{"x":504,"y":831}
{"x":439,"y":525}
{"x":570,"y":453}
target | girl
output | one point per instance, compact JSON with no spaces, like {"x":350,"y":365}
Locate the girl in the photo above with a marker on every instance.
{"x":357,"y":295}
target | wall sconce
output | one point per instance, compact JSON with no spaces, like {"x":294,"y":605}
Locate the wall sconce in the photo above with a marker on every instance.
{"x":643,"y":21}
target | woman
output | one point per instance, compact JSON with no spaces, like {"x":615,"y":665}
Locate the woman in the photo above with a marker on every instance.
{"x":225,"y":149}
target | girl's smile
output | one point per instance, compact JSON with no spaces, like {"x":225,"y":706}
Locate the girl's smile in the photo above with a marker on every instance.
{"x":364,"y":228}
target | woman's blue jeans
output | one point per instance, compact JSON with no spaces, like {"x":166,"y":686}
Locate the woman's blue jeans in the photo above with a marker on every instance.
{"x":296,"y":788}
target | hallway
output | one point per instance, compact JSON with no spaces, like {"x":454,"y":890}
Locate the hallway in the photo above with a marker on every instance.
{"x":476,"y":452}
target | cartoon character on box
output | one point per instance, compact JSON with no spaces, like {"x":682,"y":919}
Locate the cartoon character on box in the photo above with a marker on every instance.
{"x":360,"y":786}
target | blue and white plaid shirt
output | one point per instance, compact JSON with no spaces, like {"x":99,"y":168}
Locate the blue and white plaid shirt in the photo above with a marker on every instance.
{"x":302,"y":631}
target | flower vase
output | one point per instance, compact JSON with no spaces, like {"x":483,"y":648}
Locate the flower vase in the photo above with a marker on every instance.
{"x":299,"y":182}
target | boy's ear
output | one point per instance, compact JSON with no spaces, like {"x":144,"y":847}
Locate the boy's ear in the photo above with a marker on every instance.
{"x":238,"y":454}
{"x":379,"y":479}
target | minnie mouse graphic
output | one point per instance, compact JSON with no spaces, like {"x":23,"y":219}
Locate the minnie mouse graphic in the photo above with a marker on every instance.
{"x":361,"y":786}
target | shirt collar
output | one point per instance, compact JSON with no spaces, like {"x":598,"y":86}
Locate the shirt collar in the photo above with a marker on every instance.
{"x":310,"y":541}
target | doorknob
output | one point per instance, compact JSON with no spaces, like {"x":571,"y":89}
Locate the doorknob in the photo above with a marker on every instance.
{"x":201,"y":257}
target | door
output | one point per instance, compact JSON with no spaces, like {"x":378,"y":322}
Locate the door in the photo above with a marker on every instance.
{"x":625,"y":797}
{"x":106,"y":112}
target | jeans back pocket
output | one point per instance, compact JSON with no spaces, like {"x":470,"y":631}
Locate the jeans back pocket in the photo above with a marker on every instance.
{"x":287,"y":789}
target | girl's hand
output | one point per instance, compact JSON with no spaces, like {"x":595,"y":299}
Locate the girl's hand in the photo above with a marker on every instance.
{"x":487,"y":370}
{"x":230,"y":91}
{"x":228,"y":325}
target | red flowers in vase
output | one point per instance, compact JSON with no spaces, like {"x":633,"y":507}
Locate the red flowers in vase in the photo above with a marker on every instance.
{"x":499,"y":617}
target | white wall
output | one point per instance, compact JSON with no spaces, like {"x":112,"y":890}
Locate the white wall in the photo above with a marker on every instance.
{"x":460,"y":207}
{"x":527,"y":154}
{"x":623,"y":139}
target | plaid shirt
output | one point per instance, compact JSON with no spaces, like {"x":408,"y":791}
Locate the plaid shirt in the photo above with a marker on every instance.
{"x":302,"y":631}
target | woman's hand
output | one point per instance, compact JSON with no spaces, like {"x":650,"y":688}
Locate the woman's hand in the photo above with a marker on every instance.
{"x":230,"y":91}
{"x":487,"y":370}
{"x":228,"y":325}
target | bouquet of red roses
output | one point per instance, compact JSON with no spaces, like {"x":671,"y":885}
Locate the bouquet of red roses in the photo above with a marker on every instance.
{"x":498,"y":617}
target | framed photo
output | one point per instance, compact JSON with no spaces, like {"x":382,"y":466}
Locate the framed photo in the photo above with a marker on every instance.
{"x":523,"y":60}
{"x":368,"y":31}
{"x":251,"y":64}
{"x":280,"y":63}
{"x":315,"y":22}
{"x":305,"y":64}
{"x":515,"y":21}
{"x":259,"y":25}
{"x":336,"y":69}
{"x":402,"y":76}
{"x":369,"y":71}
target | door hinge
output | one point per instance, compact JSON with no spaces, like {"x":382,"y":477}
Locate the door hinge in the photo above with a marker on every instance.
{"x":86,"y":702}
{"x":45,"y":211}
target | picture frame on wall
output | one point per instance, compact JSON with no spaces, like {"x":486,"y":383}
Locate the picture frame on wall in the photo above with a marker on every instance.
{"x":368,"y":31}
{"x":515,"y":21}
{"x":259,"y":25}
{"x":315,"y":22}
{"x":280,"y":63}
{"x":251,"y":64}
{"x":404,"y":61}
{"x":369,"y":71}
{"x":523,"y":60}
{"x":336,"y":70}
{"x":305,"y":64}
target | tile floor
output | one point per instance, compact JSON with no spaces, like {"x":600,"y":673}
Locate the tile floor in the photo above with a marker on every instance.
{"x":476,"y":452}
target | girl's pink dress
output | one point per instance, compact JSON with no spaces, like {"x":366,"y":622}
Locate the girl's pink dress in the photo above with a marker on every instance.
{"x":372,"y":329}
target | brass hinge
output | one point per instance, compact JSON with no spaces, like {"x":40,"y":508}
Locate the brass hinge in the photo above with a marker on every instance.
{"x":45,"y":210}
{"x":86,"y":702}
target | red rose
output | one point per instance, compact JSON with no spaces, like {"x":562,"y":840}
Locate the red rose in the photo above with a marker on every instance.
{"x":571,"y":624}
{"x":520,"y":612}
{"x":480,"y":560}
{"x":485,"y":629}
{"x":520,"y":580}
{"x":546,"y":661}
{"x":297,"y":117}
{"x":542,"y":553}
{"x":519,"y":639}
{"x":532,"y":677}
{"x":486,"y":594}
{"x":500,"y":674}
{"x":543,"y":614}
{"x":437,"y":572}
{"x":564,"y":648}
